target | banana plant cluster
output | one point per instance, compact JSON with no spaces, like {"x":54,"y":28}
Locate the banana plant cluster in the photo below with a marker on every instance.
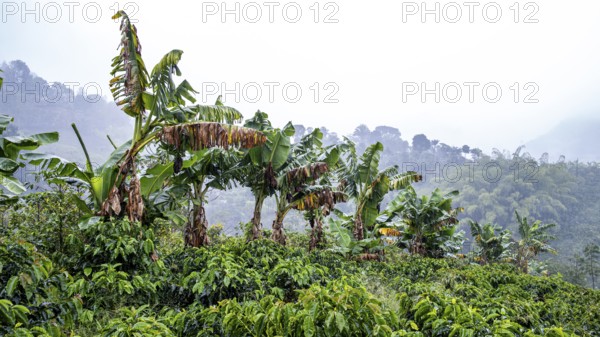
{"x":367,"y":185}
{"x":200,"y":148}
{"x":493,"y":243}
{"x":163,"y":112}
{"x":426,"y":225}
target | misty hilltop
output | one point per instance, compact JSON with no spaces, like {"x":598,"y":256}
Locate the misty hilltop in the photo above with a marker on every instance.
{"x":38,"y":105}
{"x":572,"y":138}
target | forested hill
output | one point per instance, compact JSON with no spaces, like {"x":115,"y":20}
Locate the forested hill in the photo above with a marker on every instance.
{"x":492,"y":186}
{"x":38,"y":105}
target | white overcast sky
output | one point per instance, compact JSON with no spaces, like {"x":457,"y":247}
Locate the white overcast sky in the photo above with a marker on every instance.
{"x":368,"y":55}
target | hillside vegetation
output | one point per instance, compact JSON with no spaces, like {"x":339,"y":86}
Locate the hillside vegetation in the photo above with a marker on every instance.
{"x":126,"y":248}
{"x":111,"y":287}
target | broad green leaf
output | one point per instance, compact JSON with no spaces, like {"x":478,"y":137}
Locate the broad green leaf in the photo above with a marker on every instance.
{"x":340,"y":322}
{"x":343,"y":235}
{"x":102,"y":184}
{"x":369,"y":163}
{"x":4,"y":121}
{"x":45,"y":138}
{"x":12,"y":184}
{"x":115,"y":157}
{"x":177,"y":218}
{"x":81,"y":204}
{"x":278,"y":146}
{"x":58,"y":166}
{"x":89,"y":221}
{"x":309,"y":326}
{"x":8,"y":166}
{"x":11,"y":285}
{"x":154,"y":178}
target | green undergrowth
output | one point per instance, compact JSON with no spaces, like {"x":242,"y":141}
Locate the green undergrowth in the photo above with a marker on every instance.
{"x":114,"y":287}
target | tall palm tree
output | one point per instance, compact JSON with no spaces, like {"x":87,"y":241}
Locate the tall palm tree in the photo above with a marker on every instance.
{"x":534,"y":240}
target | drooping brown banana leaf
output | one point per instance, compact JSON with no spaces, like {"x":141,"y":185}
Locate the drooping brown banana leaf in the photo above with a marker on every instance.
{"x":203,"y":135}
{"x":300,"y":175}
{"x":130,"y":77}
{"x":318,"y":199}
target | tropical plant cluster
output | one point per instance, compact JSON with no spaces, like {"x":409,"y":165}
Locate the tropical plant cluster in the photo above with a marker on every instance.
{"x":126,"y":249}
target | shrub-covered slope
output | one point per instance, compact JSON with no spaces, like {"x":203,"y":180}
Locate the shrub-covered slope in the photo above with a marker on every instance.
{"x":262,"y":289}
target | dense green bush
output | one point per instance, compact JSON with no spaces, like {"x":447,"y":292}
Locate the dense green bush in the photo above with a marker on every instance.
{"x":260,"y":288}
{"x":33,"y":291}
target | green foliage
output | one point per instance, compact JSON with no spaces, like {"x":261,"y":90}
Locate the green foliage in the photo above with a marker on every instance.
{"x":223,"y":277}
{"x":427,"y":224}
{"x":366,"y":185}
{"x":119,"y":241}
{"x":47,"y":219}
{"x":336,"y":310}
{"x":534,"y":240}
{"x":107,"y":276}
{"x":33,"y":292}
{"x":491,"y":246}
{"x":136,"y":322}
{"x":293,"y":274}
{"x":10,"y":154}
{"x":261,"y":288}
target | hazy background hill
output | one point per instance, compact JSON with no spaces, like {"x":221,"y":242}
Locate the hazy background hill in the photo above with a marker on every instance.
{"x":574,"y":138}
{"x":41,"y":106}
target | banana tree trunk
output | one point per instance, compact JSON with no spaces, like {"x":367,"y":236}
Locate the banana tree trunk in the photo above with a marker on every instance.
{"x":135,"y":202}
{"x":278,"y":234}
{"x":359,"y":227}
{"x":196,"y":230}
{"x":523,"y":260}
{"x":416,"y":246}
{"x":316,"y":235}
{"x":256,"y":224}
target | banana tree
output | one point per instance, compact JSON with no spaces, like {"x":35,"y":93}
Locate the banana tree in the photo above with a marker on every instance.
{"x":183,"y":185}
{"x":534,"y":240}
{"x":305,"y":185}
{"x":96,"y":181}
{"x":160,"y":114}
{"x":427,"y":224}
{"x":10,"y":155}
{"x":366,"y":185}
{"x":259,"y":168}
{"x":317,"y":203}
{"x":158,"y":106}
{"x":305,"y":165}
{"x":492,"y":242}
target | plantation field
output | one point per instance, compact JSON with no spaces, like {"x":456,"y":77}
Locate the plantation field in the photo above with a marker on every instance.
{"x":263,"y":289}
